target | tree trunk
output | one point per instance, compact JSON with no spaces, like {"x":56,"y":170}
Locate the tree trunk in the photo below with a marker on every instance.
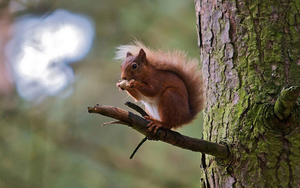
{"x":250,"y":52}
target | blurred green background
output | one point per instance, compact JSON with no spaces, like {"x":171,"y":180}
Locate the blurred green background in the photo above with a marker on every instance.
{"x":56,"y":143}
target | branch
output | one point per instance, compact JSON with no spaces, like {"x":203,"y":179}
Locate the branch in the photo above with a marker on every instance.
{"x":286,"y":102}
{"x":136,"y":108}
{"x":139,"y":124}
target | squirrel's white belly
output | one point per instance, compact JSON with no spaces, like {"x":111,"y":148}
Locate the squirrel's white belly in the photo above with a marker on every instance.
{"x":152,"y":110}
{"x":151,"y":104}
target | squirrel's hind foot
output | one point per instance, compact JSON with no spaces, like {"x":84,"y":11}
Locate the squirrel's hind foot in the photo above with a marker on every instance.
{"x":154,"y":124}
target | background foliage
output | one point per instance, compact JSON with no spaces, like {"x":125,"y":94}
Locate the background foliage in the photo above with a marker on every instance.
{"x":56,"y":143}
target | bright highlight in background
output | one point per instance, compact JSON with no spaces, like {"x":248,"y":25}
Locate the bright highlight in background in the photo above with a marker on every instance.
{"x":42,"y":48}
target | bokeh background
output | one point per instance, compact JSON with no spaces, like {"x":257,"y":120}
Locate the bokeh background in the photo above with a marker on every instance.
{"x":56,"y":59}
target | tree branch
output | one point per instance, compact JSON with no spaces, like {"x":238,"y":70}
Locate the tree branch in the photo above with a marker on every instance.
{"x":136,"y":108}
{"x":139,"y":124}
{"x":286,"y":102}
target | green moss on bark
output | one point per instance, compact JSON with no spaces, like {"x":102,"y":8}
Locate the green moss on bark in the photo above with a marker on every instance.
{"x":242,"y":90}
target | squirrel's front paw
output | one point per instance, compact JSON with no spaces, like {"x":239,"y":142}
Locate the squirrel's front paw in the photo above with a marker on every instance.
{"x":125,"y":85}
{"x":131,"y":84}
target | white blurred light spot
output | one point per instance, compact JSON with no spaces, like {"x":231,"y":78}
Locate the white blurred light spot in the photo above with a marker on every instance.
{"x":42,"y":48}
{"x":24,"y":67}
{"x":64,"y":36}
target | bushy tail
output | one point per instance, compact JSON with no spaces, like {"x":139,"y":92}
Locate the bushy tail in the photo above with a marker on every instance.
{"x":177,"y":62}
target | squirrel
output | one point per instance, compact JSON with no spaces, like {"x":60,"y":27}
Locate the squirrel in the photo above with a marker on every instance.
{"x":168,"y":83}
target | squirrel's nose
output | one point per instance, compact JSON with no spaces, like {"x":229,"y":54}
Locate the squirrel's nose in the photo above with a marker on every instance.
{"x":123,"y":77}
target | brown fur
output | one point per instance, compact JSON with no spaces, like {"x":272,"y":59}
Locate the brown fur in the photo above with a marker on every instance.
{"x":170,"y":79}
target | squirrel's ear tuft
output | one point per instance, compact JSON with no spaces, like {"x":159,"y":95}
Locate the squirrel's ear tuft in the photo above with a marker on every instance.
{"x":128,"y":54}
{"x":142,"y":55}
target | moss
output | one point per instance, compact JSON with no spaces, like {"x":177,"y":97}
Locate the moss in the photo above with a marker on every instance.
{"x":263,"y":154}
{"x":283,"y":174}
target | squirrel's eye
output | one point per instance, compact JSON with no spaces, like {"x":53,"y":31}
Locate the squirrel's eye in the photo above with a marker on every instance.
{"x":134,"y":66}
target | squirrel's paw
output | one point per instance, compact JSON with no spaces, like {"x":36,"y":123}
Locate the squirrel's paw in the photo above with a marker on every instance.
{"x":131,"y":84}
{"x":125,"y":85}
{"x":154,"y":124}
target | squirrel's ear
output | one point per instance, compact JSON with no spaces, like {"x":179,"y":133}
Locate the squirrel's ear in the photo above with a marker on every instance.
{"x":128,"y":54}
{"x":142,"y":55}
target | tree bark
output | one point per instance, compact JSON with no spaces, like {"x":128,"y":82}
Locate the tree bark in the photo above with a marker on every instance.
{"x":250,"y":52}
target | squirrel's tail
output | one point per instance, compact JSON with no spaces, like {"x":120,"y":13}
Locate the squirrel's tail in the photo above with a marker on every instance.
{"x":177,"y":62}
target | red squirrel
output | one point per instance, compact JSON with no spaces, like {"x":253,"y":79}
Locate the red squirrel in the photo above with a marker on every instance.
{"x":168,"y":83}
